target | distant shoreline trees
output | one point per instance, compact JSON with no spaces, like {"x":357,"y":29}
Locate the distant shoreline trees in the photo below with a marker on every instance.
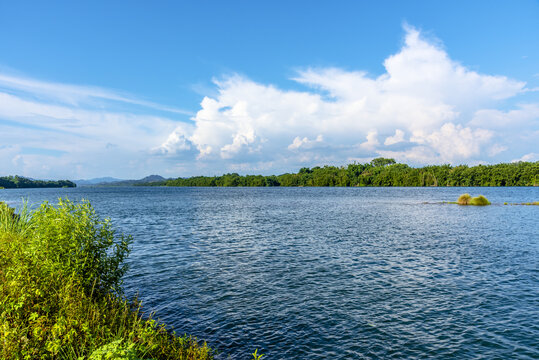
{"x":378,"y":172}
{"x":17,"y":182}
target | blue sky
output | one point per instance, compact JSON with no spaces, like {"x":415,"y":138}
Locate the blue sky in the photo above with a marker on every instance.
{"x":130,"y":88}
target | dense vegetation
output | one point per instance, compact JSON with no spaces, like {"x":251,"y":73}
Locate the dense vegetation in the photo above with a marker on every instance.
{"x":381,"y":172}
{"x":12,"y":182}
{"x":60,"y":293}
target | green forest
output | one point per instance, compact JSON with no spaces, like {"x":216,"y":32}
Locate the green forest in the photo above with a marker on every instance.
{"x":379,"y":172}
{"x":14,"y":182}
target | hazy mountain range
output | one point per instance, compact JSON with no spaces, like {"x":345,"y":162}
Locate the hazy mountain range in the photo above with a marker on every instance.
{"x":110,"y":181}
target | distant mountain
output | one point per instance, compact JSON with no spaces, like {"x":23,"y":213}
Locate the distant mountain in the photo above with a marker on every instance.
{"x":147,"y":179}
{"x":96,"y":181}
{"x":151,"y":178}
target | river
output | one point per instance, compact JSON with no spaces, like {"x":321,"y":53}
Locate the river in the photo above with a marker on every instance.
{"x":331,"y":273}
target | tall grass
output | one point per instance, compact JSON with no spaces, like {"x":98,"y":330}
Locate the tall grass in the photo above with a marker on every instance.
{"x":60,"y":291}
{"x":13,"y":223}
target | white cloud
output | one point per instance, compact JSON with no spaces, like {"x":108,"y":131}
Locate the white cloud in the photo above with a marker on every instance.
{"x":424,"y":108}
{"x":84,"y":125}
{"x":74,"y":141}
{"x":453,"y":142}
{"x":450,"y":111}
{"x":524,"y":116}
{"x":395,"y":139}
{"x":528,"y":157}
{"x":176,"y":142}
{"x":241,"y":140}
{"x":305,"y":142}
{"x":372,"y":140}
{"x":496,"y":149}
{"x":75,"y":94}
{"x":17,"y":160}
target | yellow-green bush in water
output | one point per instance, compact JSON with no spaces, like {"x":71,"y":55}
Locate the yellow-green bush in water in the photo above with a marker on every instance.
{"x":60,"y":291}
{"x":464,"y":199}
{"x":479,"y":201}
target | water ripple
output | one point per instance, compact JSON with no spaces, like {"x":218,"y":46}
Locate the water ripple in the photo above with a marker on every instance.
{"x":334,"y":273}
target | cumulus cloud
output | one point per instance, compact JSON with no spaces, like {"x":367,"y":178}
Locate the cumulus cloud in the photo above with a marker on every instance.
{"x":449,"y":110}
{"x":305,"y":142}
{"x":395,"y":139}
{"x":450,"y":144}
{"x":176,"y":142}
{"x":525,"y":116}
{"x":372,"y":140}
{"x":453,"y":142}
{"x":424,"y":108}
{"x":528,"y":157}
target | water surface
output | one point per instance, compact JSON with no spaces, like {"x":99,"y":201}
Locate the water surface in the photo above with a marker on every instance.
{"x":332,"y":273}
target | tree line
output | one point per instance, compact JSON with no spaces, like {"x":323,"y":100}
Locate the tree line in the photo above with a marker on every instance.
{"x":13,"y":182}
{"x":379,"y":172}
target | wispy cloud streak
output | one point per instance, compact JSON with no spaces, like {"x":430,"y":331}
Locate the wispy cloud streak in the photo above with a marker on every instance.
{"x":75,"y":94}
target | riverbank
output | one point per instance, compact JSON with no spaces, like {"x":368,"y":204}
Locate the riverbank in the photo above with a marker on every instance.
{"x":379,"y":172}
{"x":61,"y":272}
{"x":20,"y":182}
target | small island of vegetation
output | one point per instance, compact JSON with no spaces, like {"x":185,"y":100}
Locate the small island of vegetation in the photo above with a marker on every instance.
{"x":17,"y":182}
{"x":378,"y":172}
{"x":466,"y":199}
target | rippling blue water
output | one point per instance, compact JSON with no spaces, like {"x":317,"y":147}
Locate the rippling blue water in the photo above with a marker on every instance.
{"x":332,"y":273}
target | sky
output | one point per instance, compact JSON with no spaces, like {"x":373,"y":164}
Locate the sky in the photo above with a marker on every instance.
{"x":177,"y":88}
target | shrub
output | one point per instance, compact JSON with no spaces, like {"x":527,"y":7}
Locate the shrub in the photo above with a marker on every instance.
{"x":479,"y":201}
{"x":72,"y":239}
{"x":115,"y":351}
{"x":60,"y":294}
{"x":464,"y":199}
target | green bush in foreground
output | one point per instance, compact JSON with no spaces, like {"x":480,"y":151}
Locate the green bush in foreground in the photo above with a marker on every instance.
{"x":60,"y":294}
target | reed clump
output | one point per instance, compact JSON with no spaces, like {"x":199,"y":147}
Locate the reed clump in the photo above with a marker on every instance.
{"x":464,"y":199}
{"x":61,"y":271}
{"x":479,"y":201}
